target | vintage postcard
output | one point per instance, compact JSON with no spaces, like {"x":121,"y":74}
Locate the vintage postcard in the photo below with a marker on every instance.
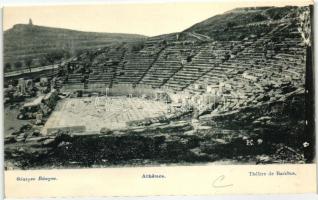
{"x":159,"y":99}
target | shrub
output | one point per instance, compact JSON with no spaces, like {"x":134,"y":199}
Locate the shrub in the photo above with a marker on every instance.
{"x":18,"y":65}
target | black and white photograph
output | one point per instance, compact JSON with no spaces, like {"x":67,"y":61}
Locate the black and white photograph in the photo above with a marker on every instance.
{"x":128,"y":86}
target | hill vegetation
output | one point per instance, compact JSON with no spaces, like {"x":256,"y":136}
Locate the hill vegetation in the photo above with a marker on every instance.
{"x":28,"y":45}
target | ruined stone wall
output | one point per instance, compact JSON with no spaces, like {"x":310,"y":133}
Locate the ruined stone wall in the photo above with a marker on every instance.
{"x":305,"y":19}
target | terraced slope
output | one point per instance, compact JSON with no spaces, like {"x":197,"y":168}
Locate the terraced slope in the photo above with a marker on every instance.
{"x":213,"y":51}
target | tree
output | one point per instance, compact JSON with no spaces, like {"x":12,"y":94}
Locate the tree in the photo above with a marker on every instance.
{"x":7,"y":67}
{"x":28,"y":63}
{"x":43,"y":61}
{"x":230,"y":24}
{"x":18,"y":65}
{"x":54,"y":55}
{"x":137,"y":46}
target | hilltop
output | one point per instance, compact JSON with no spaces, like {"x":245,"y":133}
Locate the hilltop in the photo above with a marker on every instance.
{"x":234,"y":24}
{"x":32,"y":42}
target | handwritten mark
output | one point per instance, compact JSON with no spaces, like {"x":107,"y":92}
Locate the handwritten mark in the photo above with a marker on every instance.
{"x":218,"y":182}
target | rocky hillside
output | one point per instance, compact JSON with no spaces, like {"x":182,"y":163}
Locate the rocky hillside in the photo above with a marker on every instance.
{"x":239,"y":23}
{"x":29,"y":44}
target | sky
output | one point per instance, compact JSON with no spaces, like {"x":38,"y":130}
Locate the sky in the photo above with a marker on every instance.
{"x":141,"y":18}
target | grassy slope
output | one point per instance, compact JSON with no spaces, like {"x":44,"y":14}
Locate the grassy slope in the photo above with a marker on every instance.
{"x":33,"y":41}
